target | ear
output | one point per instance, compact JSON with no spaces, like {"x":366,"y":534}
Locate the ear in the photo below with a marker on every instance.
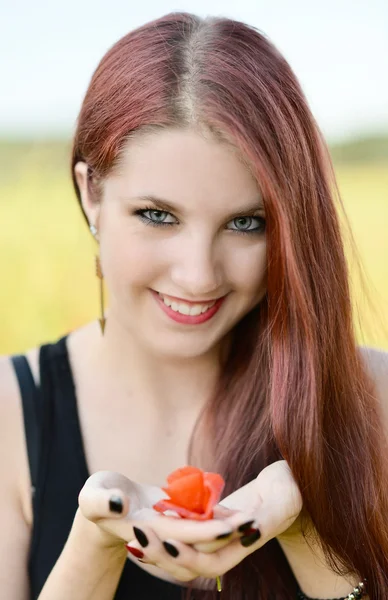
{"x":90,"y":205}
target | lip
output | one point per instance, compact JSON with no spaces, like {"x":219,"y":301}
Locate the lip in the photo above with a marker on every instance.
{"x":188,"y":319}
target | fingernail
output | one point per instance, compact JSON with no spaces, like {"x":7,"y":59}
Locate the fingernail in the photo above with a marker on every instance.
{"x":249,"y":531}
{"x":248,"y":540}
{"x":223,"y":536}
{"x":141,"y":537}
{"x":135,"y":551}
{"x":116,"y":504}
{"x":174,"y":552}
{"x":245,"y":526}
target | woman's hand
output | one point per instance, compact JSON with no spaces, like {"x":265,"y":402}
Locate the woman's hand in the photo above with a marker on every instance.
{"x":268,"y":506}
{"x":99,"y":520}
{"x":274,"y":501}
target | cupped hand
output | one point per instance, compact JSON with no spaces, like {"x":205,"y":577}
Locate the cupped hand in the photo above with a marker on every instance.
{"x":102,"y":521}
{"x":267,"y":507}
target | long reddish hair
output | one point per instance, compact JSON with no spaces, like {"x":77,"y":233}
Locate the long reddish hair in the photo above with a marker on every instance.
{"x":294,"y":385}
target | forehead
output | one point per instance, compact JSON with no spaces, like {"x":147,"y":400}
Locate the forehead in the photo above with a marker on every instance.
{"x":182,"y":165}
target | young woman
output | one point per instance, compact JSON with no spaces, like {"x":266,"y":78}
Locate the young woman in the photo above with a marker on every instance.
{"x":228,"y":344}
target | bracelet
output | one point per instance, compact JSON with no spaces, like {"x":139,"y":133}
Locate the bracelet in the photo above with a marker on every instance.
{"x":358,"y":593}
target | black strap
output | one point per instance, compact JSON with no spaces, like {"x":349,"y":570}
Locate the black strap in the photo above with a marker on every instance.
{"x":31,"y":414}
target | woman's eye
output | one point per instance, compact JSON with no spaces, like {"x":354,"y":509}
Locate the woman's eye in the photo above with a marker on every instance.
{"x":249,"y":224}
{"x":155,"y":217}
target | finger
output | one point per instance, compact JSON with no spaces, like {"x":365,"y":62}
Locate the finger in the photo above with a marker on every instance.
{"x":99,"y":503}
{"x":223,"y":560}
{"x":217,"y":544}
{"x":177,"y":559}
{"x":186,"y":530}
{"x":159,"y":554}
{"x":189,"y":532}
{"x":200,"y":564}
{"x":218,"y":563}
{"x":222,"y":512}
{"x":135,"y":551}
{"x":101,"y":498}
{"x":185,"y":557}
{"x":240,"y":523}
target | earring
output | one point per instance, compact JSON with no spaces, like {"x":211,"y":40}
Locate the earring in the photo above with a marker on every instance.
{"x":93,"y":230}
{"x":100,"y":276}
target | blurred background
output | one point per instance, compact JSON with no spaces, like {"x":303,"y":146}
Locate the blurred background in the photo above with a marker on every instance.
{"x":48,"y":52}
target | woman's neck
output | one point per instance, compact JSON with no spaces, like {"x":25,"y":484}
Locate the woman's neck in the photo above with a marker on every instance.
{"x":168,"y":384}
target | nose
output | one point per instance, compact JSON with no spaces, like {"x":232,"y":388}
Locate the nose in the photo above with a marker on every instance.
{"x":197,"y":272}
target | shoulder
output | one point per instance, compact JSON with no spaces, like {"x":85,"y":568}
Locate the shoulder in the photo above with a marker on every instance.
{"x":14,"y":475}
{"x":376,"y":362}
{"x":14,"y":469}
{"x":11,"y":425}
{"x":9,"y":388}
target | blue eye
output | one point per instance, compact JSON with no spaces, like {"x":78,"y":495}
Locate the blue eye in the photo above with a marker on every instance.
{"x":158,"y":218}
{"x":244,"y":224}
{"x":153,"y":216}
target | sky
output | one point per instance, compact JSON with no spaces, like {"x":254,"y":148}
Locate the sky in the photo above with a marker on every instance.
{"x":338,"y":49}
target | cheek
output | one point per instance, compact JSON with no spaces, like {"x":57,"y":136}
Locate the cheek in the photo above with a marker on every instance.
{"x":128,"y":260}
{"x":248,"y":269}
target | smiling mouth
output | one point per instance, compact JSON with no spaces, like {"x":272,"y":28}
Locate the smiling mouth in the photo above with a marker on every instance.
{"x":188,"y":313}
{"x":186,"y":308}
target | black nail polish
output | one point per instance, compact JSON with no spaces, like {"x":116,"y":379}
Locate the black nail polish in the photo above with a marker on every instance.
{"x":245,"y":526}
{"x":141,"y":537}
{"x":116,"y":504}
{"x":174,"y":552}
{"x":223,"y":536}
{"x":248,"y":540}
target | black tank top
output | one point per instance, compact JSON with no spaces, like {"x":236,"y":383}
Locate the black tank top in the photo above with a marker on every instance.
{"x":59,"y":471}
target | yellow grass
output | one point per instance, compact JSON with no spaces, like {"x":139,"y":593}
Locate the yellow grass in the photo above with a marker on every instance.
{"x":48,"y":286}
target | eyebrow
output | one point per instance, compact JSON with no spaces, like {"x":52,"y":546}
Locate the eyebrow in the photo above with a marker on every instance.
{"x":163,"y":204}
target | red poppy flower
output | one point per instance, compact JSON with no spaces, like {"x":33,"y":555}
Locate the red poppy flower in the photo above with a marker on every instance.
{"x":192,"y":493}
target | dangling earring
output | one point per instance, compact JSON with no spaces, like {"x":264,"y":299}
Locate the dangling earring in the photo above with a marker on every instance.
{"x":99,"y":274}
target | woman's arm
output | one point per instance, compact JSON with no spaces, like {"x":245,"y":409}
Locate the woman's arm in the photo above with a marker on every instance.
{"x":312,"y":573}
{"x":86,"y":569}
{"x":15,"y":532}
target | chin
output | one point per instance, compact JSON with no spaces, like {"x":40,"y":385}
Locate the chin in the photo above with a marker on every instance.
{"x":184,"y":349}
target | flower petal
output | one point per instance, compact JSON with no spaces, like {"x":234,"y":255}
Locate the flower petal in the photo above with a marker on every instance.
{"x":192,"y":493}
{"x":163,"y":505}
{"x":183,"y":471}
{"x":215,"y":483}
{"x":188,"y":491}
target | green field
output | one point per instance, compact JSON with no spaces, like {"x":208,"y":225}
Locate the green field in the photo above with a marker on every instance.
{"x":47,"y":254}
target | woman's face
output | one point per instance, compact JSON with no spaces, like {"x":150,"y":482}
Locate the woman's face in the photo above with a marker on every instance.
{"x":166,"y":262}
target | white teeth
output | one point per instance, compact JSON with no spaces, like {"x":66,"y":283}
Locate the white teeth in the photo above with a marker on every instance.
{"x":196,"y":309}
{"x":187,"y":309}
{"x":184,"y":309}
{"x":205,"y":308}
{"x":166,"y":301}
